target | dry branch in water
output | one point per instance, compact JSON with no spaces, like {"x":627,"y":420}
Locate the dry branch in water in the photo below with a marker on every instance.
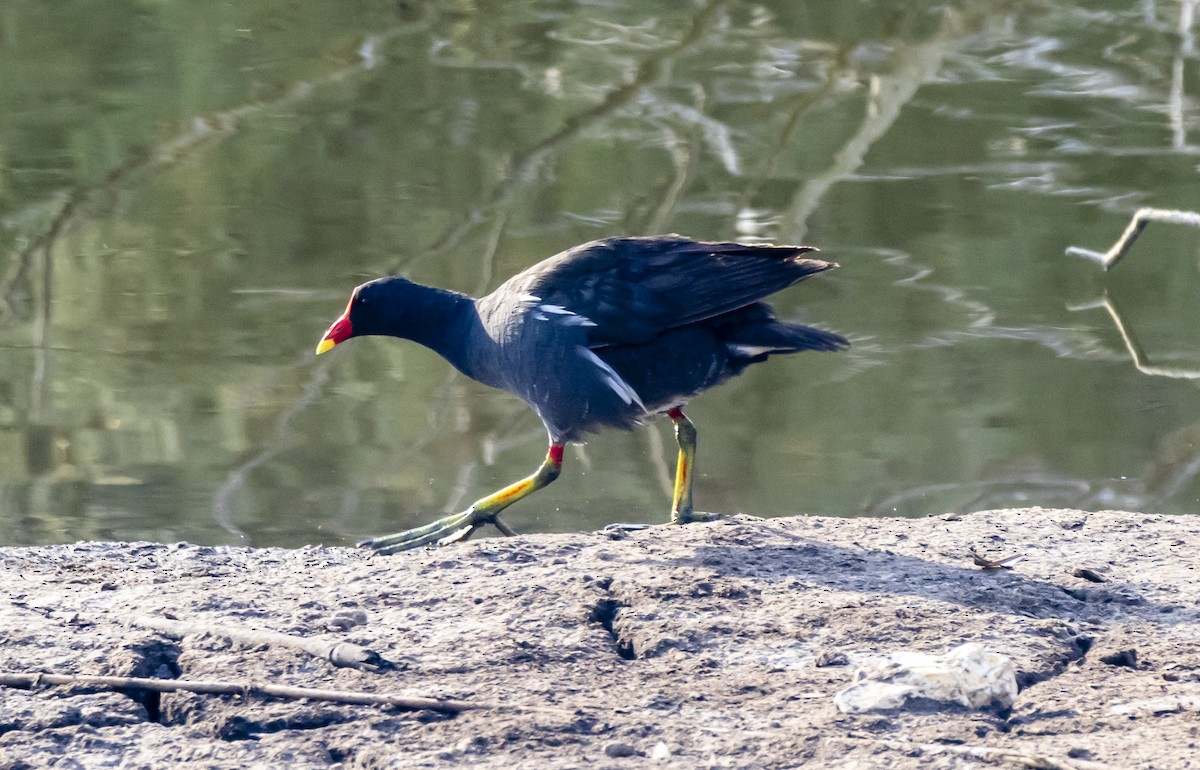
{"x":342,"y":654}
{"x":1141,"y":218}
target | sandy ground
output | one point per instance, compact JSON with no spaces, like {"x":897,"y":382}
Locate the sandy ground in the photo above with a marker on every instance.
{"x":711,"y":645}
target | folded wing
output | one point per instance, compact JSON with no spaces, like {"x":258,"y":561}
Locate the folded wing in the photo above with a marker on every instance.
{"x":630,"y":290}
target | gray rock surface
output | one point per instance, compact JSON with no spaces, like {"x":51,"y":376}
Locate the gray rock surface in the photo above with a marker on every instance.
{"x":711,"y":645}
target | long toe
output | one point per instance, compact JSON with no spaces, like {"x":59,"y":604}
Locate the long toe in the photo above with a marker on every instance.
{"x":449,"y":529}
{"x":624,"y":526}
{"x":711,"y":516}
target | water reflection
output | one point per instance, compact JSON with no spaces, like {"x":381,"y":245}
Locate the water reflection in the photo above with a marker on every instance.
{"x":187,"y":195}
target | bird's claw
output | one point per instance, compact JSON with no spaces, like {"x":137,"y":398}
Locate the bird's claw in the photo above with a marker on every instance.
{"x":679,"y":518}
{"x":456,"y":528}
{"x":689,"y":516}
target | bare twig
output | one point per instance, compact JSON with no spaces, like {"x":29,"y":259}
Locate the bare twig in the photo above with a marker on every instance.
{"x":1141,"y":218}
{"x":405,"y":702}
{"x":342,"y":654}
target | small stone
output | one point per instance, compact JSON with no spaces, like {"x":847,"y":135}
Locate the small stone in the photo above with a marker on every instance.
{"x":619,"y":750}
{"x":831,"y":658}
{"x":1126,"y":658}
{"x":660,"y":752}
{"x":344,"y":620}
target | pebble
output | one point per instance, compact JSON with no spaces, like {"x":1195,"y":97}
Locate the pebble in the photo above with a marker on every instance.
{"x":619,"y":750}
{"x":831,"y":658}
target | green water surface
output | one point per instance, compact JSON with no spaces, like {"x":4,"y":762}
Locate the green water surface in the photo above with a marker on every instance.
{"x":189,"y":191}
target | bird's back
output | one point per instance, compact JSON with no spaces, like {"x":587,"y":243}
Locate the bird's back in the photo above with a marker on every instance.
{"x":612,"y":330}
{"x":634,"y":288}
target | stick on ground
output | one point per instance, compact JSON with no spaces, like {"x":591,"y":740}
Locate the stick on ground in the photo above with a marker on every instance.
{"x":407,"y":703}
{"x":342,"y":654}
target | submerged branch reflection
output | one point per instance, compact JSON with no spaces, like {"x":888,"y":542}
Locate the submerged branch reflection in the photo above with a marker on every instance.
{"x":524,"y":163}
{"x":223,"y":508}
{"x":1140,"y":359}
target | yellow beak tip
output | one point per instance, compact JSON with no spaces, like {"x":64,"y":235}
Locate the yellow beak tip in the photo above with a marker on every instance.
{"x":324,"y":345}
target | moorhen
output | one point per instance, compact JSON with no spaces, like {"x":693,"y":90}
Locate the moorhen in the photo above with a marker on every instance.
{"x":606,"y":334}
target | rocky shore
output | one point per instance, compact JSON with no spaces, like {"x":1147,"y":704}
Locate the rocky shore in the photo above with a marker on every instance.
{"x":711,"y":645}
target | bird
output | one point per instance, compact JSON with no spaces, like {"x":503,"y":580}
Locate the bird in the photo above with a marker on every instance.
{"x":607,"y":334}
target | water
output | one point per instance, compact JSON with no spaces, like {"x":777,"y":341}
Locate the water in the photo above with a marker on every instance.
{"x":188,"y":194}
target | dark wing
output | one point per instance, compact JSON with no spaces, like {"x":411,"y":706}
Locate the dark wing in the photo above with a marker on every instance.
{"x":633,"y":289}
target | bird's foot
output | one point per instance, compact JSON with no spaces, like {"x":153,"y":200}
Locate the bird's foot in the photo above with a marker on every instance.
{"x":456,"y":528}
{"x":688,"y":516}
{"x":677,"y":518}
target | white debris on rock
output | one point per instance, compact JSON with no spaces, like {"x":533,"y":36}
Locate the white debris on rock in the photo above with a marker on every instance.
{"x":1168,"y":704}
{"x":968,"y":675}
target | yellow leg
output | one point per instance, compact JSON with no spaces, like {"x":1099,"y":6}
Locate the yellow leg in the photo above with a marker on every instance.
{"x":460,"y":526}
{"x":685,"y":436}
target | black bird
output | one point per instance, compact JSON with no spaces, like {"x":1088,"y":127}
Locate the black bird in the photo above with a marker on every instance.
{"x":603,"y":335}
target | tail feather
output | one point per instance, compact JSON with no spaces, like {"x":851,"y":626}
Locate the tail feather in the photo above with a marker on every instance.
{"x":779,"y":337}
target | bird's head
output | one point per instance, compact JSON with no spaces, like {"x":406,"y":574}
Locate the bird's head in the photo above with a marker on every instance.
{"x":373,"y":309}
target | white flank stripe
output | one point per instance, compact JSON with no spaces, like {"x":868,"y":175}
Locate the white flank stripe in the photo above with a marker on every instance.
{"x":612,"y":379}
{"x":753,"y":350}
{"x":568,"y":318}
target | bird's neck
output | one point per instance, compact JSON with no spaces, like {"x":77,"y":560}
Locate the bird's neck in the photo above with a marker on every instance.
{"x":432,"y":317}
{"x":444,"y":322}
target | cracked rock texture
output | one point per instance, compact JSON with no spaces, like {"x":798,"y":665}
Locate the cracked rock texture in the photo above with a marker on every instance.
{"x":711,"y":645}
